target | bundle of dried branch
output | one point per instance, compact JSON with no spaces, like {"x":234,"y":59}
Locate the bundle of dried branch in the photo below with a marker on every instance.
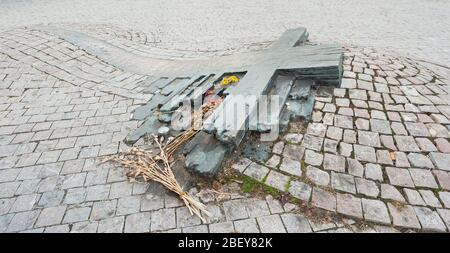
{"x":156,"y":167}
{"x":145,"y":165}
{"x":197,"y":122}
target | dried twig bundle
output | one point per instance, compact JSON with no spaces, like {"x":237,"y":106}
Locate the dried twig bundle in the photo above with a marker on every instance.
{"x":188,"y":134}
{"x":156,"y":167}
{"x":141,"y":163}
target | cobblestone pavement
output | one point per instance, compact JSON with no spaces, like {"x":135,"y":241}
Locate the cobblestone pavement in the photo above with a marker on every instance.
{"x":377,"y":148}
{"x":417,"y":27}
{"x":375,"y":157}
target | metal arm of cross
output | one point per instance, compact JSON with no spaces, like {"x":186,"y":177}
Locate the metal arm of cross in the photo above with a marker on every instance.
{"x":286,"y":53}
{"x":231,"y":119}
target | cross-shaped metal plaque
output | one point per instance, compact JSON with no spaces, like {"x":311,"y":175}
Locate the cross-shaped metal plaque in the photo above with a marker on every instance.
{"x":173,"y":81}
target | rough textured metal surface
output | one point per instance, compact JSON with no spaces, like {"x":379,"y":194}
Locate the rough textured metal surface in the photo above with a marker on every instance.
{"x":267,"y":72}
{"x":285,"y":54}
{"x":204,"y":154}
{"x":260,"y":69}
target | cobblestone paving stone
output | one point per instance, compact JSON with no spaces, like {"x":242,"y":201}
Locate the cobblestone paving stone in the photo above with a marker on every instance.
{"x":393,"y":173}
{"x":62,"y":109}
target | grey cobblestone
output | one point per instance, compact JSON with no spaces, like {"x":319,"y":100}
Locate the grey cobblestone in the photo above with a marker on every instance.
{"x":77,"y":214}
{"x":365,"y":154}
{"x":217,"y":215}
{"x":246,"y":226}
{"x":294,"y":152}
{"x":294,"y":138}
{"x":300,"y":190}
{"x":103,"y":209}
{"x":429,"y":219}
{"x":429,"y":198}
{"x":57,"y":229}
{"x":271,"y":224}
{"x":75,"y":196}
{"x":367,"y":187}
{"x":273,"y":161}
{"x":312,"y":142}
{"x":376,"y":211}
{"x":196,"y":229}
{"x":380,"y":126}
{"x":171,"y":200}
{"x":296,"y":223}
{"x":343,"y":182}
{"x":401,"y":160}
{"x":97,"y":192}
{"x":417,"y":129}
{"x":355,"y":168}
{"x":334,"y":133}
{"x":73,"y":180}
{"x":291,"y":166}
{"x":323,"y":199}
{"x":224,"y":227}
{"x":72,"y":166}
{"x":390,"y":192}
{"x":445,"y":198}
{"x":51,"y":216}
{"x":120,"y":189}
{"x":349,"y":205}
{"x":423,"y":178}
{"x":414,"y":197}
{"x":256,"y":171}
{"x":137,"y":223}
{"x":274,"y":205}
{"x":404,"y":216}
{"x":399,"y":177}
{"x":96,"y":177}
{"x":23,"y":221}
{"x":111,"y":225}
{"x":116,"y":175}
{"x":51,"y":198}
{"x":420,"y":161}
{"x":313,"y":158}
{"x":151,"y":202}
{"x":445,"y":215}
{"x":235,"y":210}
{"x":185,"y":219}
{"x":317,"y":176}
{"x":163,"y":219}
{"x":442,"y":145}
{"x":128,"y":205}
{"x":256,"y":207}
{"x":277,"y":180}
{"x":24,"y":203}
{"x":441,"y":160}
{"x":4,"y":221}
{"x":320,"y":226}
{"x":443,"y":178}
{"x":277,"y":149}
{"x":334,"y":163}
{"x":369,"y":138}
{"x":406,"y":143}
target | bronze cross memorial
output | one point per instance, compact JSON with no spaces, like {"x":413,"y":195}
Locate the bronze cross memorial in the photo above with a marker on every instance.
{"x":288,"y":69}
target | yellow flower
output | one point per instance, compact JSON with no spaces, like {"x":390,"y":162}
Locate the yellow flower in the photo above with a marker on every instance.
{"x":234,"y":79}
{"x":228,"y":80}
{"x":225,"y":81}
